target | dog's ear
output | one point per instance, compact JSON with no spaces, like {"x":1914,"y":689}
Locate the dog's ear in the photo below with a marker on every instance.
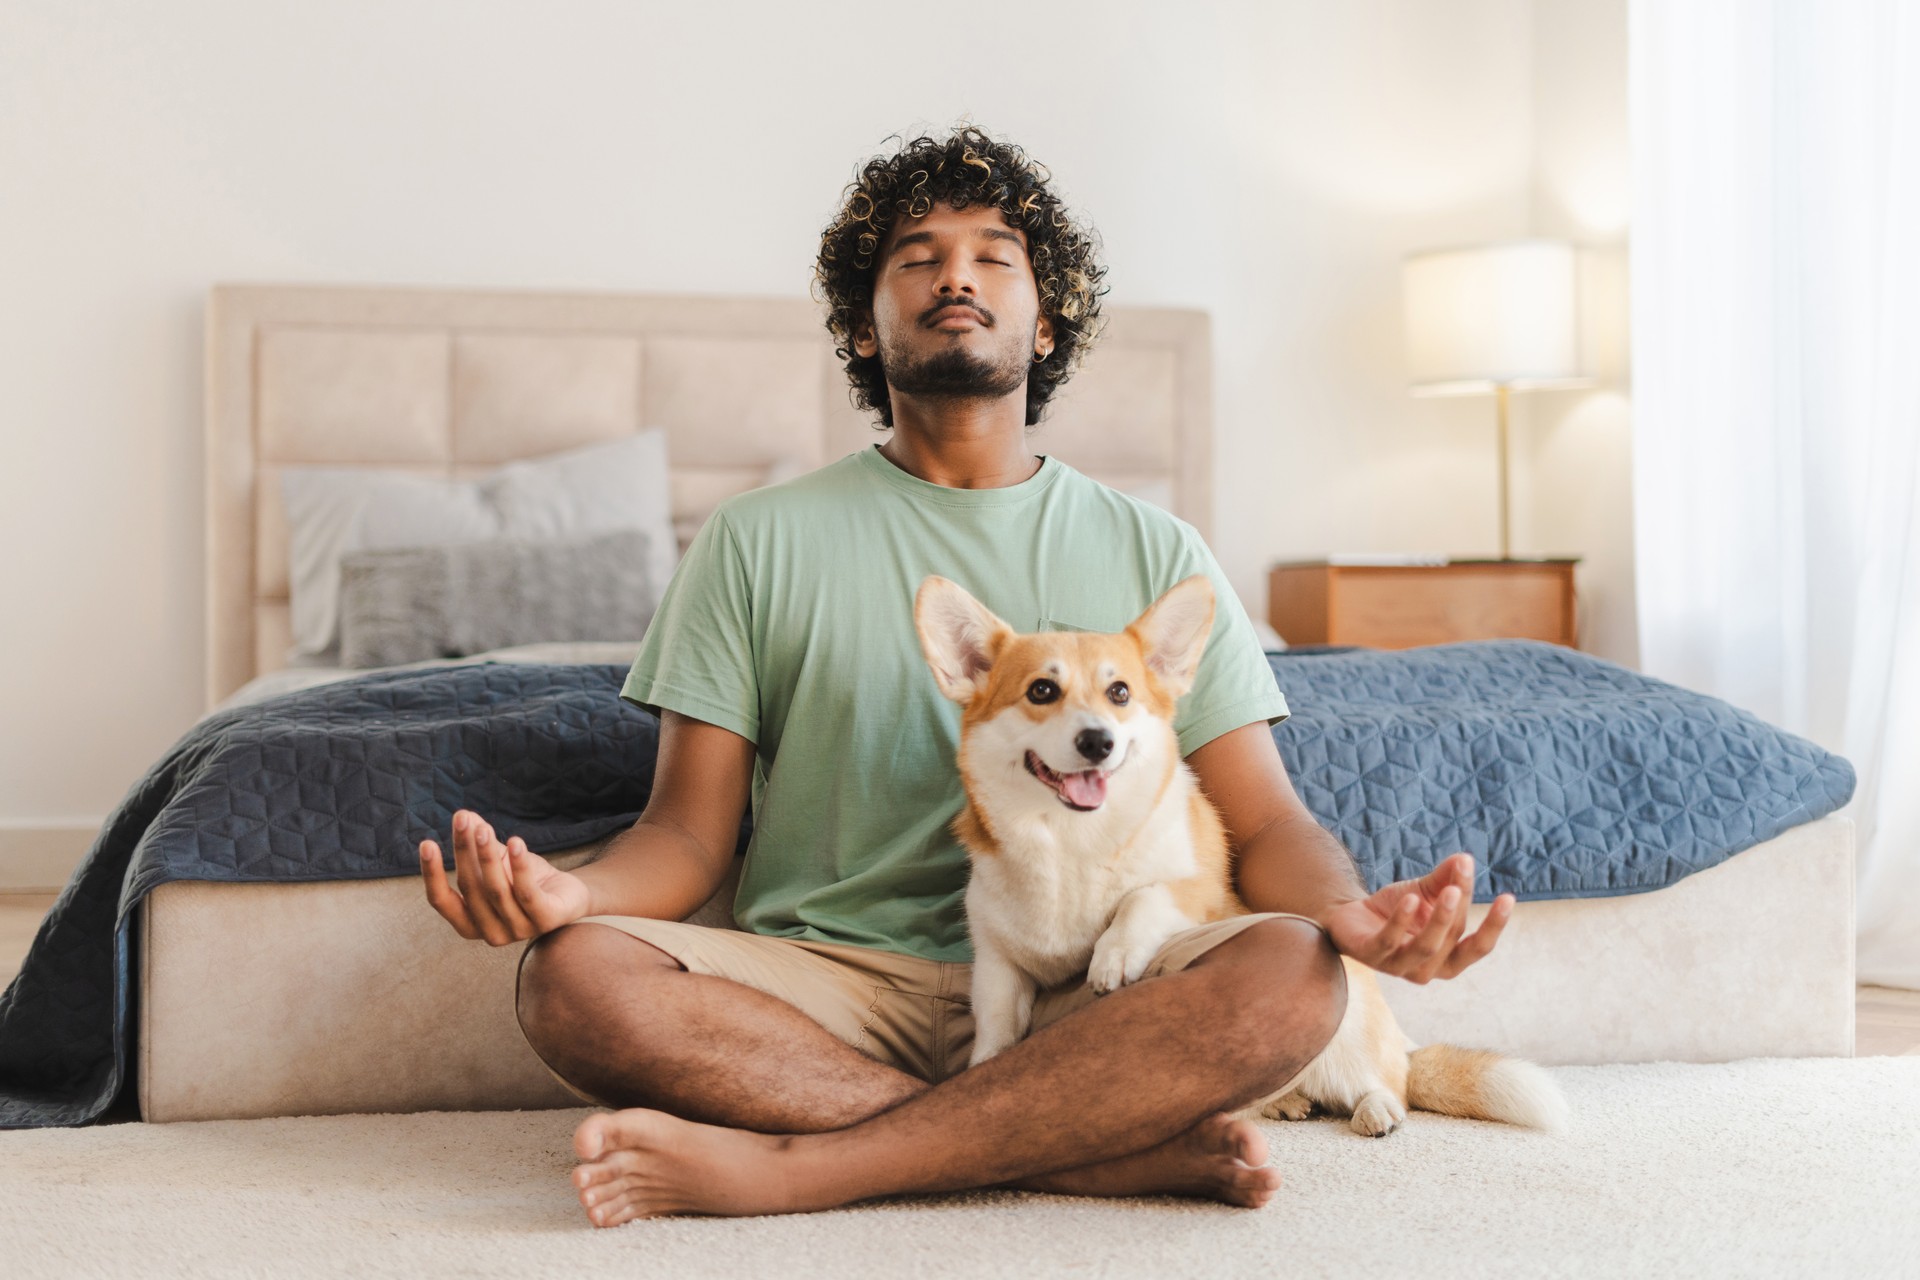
{"x":960,"y":636}
{"x":1172,"y":633}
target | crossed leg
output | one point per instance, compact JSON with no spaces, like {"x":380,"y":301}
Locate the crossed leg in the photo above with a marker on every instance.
{"x":706,"y":1048}
{"x":798,"y":1120}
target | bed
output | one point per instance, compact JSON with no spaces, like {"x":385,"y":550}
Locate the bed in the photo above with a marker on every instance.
{"x":351,"y":995}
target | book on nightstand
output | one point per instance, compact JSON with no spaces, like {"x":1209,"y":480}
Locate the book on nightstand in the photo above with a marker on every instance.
{"x":1341,"y":558}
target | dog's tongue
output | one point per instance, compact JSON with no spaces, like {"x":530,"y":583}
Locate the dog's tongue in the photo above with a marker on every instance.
{"x":1088,"y":790}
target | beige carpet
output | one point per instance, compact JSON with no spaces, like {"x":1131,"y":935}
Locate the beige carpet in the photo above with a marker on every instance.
{"x":1766,"y":1167}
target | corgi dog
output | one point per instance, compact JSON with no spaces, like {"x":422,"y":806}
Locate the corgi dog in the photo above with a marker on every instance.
{"x":1091,"y":843}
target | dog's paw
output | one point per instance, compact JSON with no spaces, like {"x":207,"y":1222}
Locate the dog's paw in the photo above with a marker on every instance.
{"x":1117,"y":960}
{"x":1288,"y":1106}
{"x":1378,"y":1114}
{"x":982,"y":1050}
{"x":994,"y":1035}
{"x":1107,"y":972}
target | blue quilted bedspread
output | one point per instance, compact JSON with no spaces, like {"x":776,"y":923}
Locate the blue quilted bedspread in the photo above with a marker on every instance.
{"x":1564,"y":775}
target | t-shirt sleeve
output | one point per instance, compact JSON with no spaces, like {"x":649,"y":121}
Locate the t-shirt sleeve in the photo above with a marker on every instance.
{"x":1235,"y":686}
{"x":697,"y":655}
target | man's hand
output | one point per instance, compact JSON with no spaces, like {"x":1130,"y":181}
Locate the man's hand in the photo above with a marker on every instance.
{"x":507,"y":892}
{"x":1412,"y":928}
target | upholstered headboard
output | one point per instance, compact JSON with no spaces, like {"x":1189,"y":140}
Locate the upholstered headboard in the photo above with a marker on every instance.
{"x":456,"y":382}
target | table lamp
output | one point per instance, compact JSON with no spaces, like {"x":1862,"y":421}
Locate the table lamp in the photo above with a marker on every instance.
{"x":1493,"y":318}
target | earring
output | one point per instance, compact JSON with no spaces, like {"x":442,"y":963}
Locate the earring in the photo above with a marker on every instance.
{"x":1041,"y":359}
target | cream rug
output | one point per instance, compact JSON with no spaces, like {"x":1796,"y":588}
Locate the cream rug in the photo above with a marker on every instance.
{"x":1766,"y":1167}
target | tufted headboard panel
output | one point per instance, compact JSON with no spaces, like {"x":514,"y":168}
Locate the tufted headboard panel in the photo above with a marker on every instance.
{"x":456,"y":382}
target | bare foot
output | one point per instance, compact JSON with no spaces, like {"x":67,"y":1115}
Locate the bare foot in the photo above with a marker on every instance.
{"x":641,"y":1164}
{"x":1221,"y":1158}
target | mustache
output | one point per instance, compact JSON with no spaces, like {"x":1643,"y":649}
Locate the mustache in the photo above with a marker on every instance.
{"x":986,"y":317}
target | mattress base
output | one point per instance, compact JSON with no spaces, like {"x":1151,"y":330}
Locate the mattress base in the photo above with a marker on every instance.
{"x":1753,"y":958}
{"x":353,"y":996}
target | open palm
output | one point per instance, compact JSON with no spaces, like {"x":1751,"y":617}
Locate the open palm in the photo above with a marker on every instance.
{"x":1412,"y":928}
{"x":507,"y":893}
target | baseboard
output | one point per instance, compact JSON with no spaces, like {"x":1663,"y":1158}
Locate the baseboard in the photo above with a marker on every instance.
{"x":41,"y":859}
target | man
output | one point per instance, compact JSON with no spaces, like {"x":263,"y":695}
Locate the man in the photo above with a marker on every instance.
{"x":816,"y":1056}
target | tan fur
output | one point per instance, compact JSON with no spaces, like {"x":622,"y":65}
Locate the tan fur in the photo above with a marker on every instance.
{"x":1482,"y":1086}
{"x":1209,"y":895}
{"x":1056,"y":891}
{"x":1446,"y":1078}
{"x":1373,"y":1073}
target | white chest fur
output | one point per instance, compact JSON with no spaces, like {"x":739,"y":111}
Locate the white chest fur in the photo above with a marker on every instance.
{"x":1044,"y":899}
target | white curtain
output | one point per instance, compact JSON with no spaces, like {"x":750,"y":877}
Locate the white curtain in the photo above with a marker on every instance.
{"x":1776,"y":369}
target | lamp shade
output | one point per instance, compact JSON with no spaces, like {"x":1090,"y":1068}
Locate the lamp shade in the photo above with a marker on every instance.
{"x":1492,"y":315}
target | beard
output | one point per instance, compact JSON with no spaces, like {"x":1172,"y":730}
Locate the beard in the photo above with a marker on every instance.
{"x":956,"y":373}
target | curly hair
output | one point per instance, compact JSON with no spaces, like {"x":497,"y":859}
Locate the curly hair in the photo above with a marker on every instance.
{"x":965,"y":169}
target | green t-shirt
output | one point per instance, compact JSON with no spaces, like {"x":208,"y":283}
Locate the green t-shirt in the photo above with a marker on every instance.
{"x":790,"y":622}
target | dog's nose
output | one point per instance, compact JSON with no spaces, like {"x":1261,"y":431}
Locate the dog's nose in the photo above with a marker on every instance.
{"x":1095,"y":744}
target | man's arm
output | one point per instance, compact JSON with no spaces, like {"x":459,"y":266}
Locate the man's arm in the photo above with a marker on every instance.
{"x":670,"y":861}
{"x":1286,"y":861}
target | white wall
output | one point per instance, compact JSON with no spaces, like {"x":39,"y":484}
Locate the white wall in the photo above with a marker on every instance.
{"x":1269,"y":162}
{"x":1577,"y":445}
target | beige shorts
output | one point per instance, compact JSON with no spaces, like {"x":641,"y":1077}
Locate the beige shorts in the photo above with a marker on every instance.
{"x":911,"y":1013}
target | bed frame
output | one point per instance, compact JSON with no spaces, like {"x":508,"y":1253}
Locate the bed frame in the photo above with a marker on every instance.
{"x":351,"y":996}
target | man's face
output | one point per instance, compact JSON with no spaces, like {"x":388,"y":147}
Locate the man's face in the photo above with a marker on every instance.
{"x":956,"y":312}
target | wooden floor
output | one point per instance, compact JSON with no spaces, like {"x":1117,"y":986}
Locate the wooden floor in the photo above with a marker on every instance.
{"x":1888,"y":1020}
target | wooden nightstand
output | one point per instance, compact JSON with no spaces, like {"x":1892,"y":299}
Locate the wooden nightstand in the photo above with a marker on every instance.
{"x":1400,"y":606}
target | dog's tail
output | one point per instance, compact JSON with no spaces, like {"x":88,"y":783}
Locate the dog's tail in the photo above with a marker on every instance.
{"x":1483,"y":1086}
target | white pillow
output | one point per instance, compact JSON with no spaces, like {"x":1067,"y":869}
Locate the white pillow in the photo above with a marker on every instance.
{"x":599,"y":488}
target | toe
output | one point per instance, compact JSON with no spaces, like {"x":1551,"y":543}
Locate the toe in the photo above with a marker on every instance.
{"x":602,"y":1214}
{"x":590,"y":1139}
{"x":1259,"y":1185}
{"x":1245,"y":1143}
{"x":622,"y":1208}
{"x":611,"y":1130}
{"x":617,"y":1164}
{"x":603,"y":1190}
{"x":1251,"y":1188}
{"x":1254,"y":1150}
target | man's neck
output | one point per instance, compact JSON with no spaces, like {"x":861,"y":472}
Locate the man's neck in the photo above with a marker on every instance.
{"x":968,"y":445}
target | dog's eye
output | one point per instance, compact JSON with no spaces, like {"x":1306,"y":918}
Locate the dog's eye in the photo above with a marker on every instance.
{"x":1117,"y":693}
{"x":1042,"y":691}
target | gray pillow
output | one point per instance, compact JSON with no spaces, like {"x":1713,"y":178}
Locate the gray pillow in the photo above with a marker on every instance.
{"x":408,"y":604}
{"x":596,"y":488}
